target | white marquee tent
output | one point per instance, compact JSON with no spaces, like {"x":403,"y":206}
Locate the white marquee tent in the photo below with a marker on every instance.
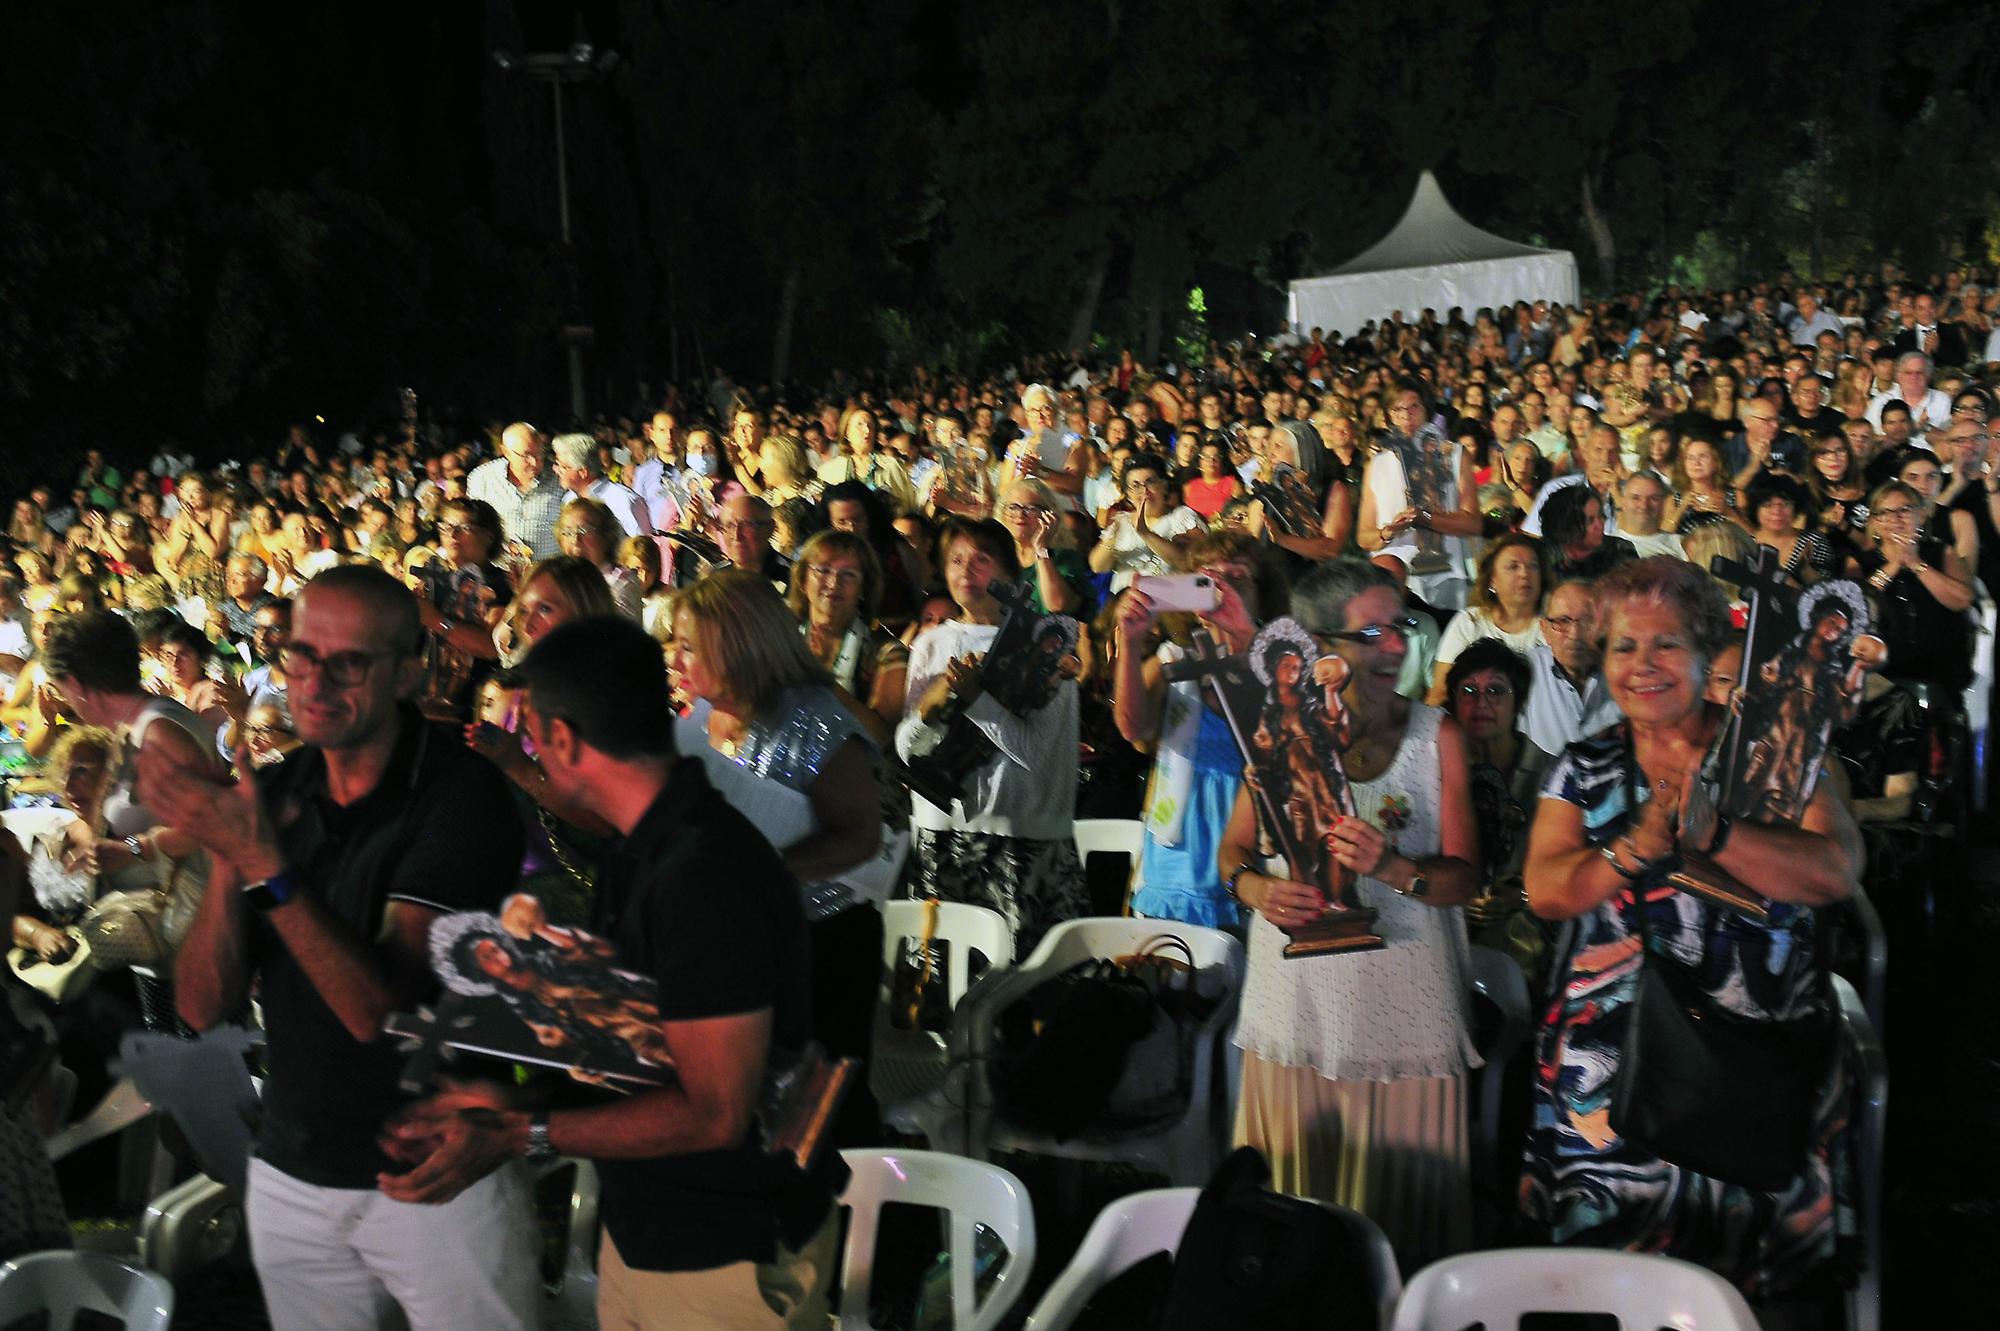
{"x":1433,"y":258}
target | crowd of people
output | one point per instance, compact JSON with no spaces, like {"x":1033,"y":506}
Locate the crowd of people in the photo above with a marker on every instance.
{"x":672,"y":675}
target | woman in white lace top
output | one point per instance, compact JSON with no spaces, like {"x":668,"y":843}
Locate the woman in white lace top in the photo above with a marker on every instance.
{"x":1354,"y":1063}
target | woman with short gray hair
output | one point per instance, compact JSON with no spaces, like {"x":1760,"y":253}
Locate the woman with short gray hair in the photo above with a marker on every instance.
{"x":1354,"y":1063}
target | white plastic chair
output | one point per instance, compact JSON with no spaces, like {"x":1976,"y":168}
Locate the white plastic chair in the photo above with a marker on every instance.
{"x":62,"y":1284}
{"x":1187,"y":1151}
{"x":1641,"y":1290}
{"x":1111,"y":836}
{"x":909,"y":1070}
{"x":971,"y":1194}
{"x":1133,"y":1228}
{"x":1871,"y":1072}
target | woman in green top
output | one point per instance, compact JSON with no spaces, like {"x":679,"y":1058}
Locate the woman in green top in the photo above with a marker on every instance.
{"x":1060,"y":580}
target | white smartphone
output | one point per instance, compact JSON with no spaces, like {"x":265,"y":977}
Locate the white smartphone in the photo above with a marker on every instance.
{"x":1195,"y":593}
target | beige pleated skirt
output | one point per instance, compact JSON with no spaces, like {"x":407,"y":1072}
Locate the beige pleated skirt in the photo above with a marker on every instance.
{"x":1395,"y":1151}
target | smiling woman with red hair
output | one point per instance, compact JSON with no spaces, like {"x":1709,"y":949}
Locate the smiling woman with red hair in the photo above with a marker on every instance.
{"x":1618,"y":812}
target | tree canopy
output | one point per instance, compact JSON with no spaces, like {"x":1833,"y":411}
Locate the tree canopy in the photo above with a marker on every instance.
{"x":221,"y":217}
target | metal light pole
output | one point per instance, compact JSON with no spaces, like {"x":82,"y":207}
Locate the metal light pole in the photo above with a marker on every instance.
{"x":580,"y":63}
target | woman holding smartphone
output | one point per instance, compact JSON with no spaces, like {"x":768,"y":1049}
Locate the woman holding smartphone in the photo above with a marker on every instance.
{"x":1197,"y":770}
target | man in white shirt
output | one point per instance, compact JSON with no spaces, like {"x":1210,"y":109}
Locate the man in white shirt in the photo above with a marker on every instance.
{"x":1806,"y":326}
{"x":1542,"y":430}
{"x":1040,"y":452}
{"x":522,"y":492}
{"x":1569,"y":700}
{"x":1641,"y":499}
{"x":576,"y":470}
{"x":1930,"y":408}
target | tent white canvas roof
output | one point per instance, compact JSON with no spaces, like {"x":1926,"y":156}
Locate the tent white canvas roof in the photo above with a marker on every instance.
{"x":1432,"y":258}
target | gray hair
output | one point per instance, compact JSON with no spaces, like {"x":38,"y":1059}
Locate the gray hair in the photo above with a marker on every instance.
{"x":261,"y":569}
{"x":1038,"y":393}
{"x":1319,"y":599}
{"x":575,"y":450}
{"x":1917,"y":356}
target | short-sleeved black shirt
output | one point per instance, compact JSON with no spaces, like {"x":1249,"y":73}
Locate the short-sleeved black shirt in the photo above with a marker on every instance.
{"x":697,"y":899}
{"x":440,"y":830}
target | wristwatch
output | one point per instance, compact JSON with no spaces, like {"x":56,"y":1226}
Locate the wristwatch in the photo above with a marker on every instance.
{"x":1420,"y":886}
{"x":540,"y":1148}
{"x":272,"y":892}
{"x":137,"y":847}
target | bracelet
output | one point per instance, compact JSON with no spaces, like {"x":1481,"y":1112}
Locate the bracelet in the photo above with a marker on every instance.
{"x":1610,"y":853}
{"x":1235,"y":878}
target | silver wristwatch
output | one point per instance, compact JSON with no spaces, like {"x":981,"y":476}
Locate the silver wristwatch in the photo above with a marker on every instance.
{"x":540,"y":1148}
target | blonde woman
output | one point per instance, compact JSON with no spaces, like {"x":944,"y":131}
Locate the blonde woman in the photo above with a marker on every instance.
{"x":784,"y":471}
{"x":765,"y":704}
{"x":835,"y":590}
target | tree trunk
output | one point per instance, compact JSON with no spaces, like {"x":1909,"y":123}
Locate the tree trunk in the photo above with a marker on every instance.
{"x":1601,"y":238}
{"x":1818,"y":194}
{"x":788,"y":311}
{"x":1086,"y":309}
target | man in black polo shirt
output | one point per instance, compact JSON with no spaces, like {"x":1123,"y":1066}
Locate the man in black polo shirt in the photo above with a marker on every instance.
{"x":328,"y":873}
{"x":702,"y":1227}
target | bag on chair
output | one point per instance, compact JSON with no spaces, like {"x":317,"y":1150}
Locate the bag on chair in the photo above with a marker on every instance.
{"x":1256,"y":1258}
{"x":1106,"y":1044}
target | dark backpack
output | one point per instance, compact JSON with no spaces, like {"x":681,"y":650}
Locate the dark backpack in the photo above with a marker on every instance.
{"x":1255,"y":1258}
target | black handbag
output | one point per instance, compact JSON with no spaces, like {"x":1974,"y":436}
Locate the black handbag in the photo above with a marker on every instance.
{"x":1255,"y":1258}
{"x":1105,"y":1046}
{"x":1727,"y":1096}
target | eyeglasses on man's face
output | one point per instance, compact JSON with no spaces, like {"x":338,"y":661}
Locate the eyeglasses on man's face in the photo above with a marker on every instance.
{"x":343,"y":670}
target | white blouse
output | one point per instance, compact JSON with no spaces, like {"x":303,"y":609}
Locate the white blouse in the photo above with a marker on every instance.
{"x":1401,"y":1011}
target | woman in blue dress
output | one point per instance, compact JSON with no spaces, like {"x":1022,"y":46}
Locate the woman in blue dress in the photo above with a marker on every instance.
{"x":1617,"y":812}
{"x":1197,"y":768}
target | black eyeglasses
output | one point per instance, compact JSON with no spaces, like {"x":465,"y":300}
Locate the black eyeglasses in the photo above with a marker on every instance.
{"x":1024,"y":510}
{"x":1399,"y":629}
{"x":1491,"y":692}
{"x":343,"y":669}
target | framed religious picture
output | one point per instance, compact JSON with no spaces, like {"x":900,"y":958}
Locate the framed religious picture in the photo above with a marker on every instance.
{"x":1282,"y":703}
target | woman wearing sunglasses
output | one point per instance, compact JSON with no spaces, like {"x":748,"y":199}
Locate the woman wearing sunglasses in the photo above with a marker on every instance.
{"x":1354,"y":1064}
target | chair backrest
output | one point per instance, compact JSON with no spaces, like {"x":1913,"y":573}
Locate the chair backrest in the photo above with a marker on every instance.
{"x":971,"y":1194}
{"x":1125,"y":1233}
{"x":1642,"y":1291}
{"x":1115,"y":936}
{"x":1498,"y":977}
{"x":1135,"y":1227}
{"x":962,"y":927}
{"x":62,"y":1284}
{"x":1110,"y":836}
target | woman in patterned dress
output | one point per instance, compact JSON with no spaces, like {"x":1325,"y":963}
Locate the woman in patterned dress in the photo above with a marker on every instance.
{"x":1354,"y":1063}
{"x":1596,"y":862}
